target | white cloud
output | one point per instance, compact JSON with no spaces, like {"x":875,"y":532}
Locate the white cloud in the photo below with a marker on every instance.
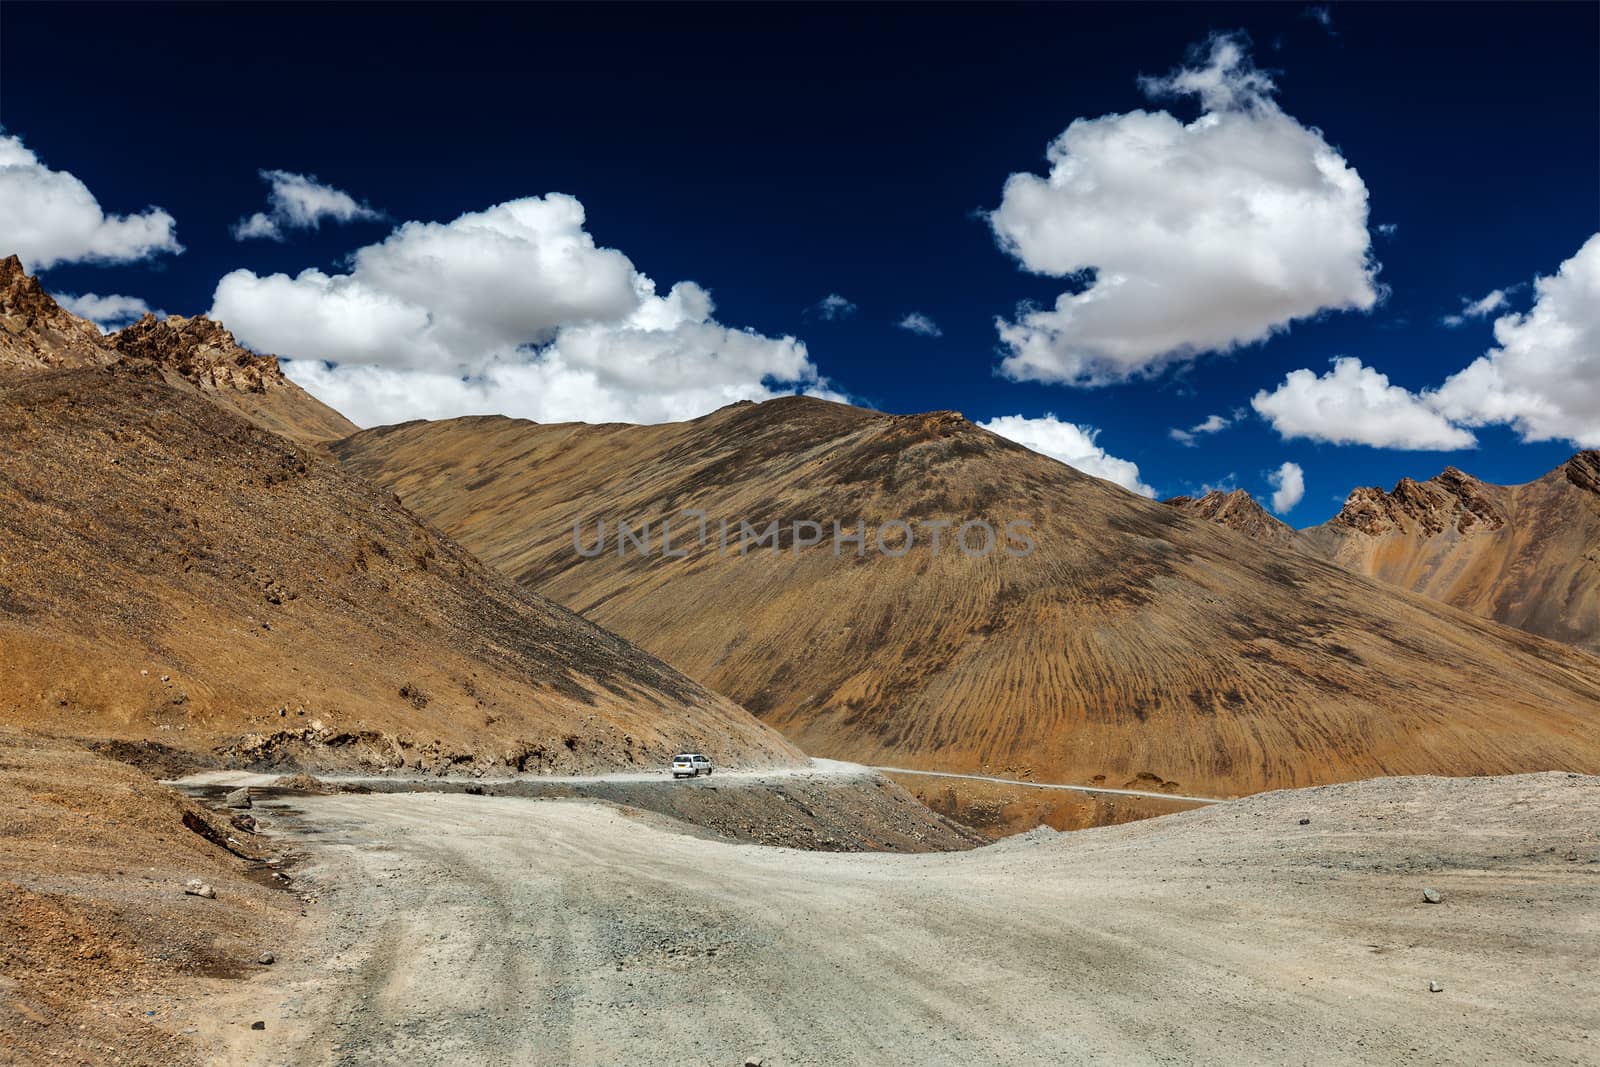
{"x":1071,"y":444}
{"x":1320,"y":14}
{"x":49,"y":217}
{"x":920,"y":324}
{"x":1387,"y":229}
{"x":1183,"y":238}
{"x":833,"y":306}
{"x":299,"y":202}
{"x":1477,"y":309}
{"x":1543,"y":376}
{"x":1289,"y":487}
{"x":1211,"y":424}
{"x":109,"y":312}
{"x":513,"y":310}
{"x":1353,"y":404}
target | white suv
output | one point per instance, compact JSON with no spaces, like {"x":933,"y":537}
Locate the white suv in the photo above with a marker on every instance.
{"x":690,"y":765}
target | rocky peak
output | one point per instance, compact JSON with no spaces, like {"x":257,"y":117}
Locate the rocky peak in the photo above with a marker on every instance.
{"x":36,"y":332}
{"x":1237,"y":510}
{"x":1450,"y":498}
{"x":201,"y":350}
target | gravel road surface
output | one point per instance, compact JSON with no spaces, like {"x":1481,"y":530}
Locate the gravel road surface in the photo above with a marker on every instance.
{"x":502,"y":930}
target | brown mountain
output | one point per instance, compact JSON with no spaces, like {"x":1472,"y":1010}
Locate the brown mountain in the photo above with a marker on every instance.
{"x":171,"y":571}
{"x":1134,"y":640}
{"x":1238,"y":511}
{"x":1526,"y":555}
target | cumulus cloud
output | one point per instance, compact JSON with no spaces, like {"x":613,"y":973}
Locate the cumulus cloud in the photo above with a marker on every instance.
{"x":1211,"y":424}
{"x":1288,"y":487}
{"x":49,"y":217}
{"x":921,"y":325}
{"x":1355,"y":404}
{"x":515,"y":310}
{"x":1542,"y":378}
{"x":1543,"y":375}
{"x":833,"y":306}
{"x":1073,"y":445}
{"x":1477,"y":309}
{"x":1182,"y":238}
{"x":299,"y":202}
{"x":110,"y":312}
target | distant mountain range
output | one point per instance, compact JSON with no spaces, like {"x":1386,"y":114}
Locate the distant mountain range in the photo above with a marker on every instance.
{"x":1525,"y":555}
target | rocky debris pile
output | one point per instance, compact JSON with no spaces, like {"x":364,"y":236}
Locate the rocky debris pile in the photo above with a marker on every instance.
{"x":302,"y":783}
{"x":1451,"y":498}
{"x":201,"y":350}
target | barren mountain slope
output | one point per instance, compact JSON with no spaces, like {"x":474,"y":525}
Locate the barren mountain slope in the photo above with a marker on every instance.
{"x":1526,"y":555}
{"x":1135,"y":640}
{"x":1238,"y":511}
{"x":36,"y":333}
{"x":170,"y":571}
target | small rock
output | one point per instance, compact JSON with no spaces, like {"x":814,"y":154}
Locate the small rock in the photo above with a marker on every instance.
{"x":1435,"y":987}
{"x":266,"y":959}
{"x":1305,"y":822}
{"x":259,"y":1024}
{"x":239,"y":798}
{"x":196,"y":888}
{"x":247,"y":823}
{"x":751,"y":1061}
{"x":1431,"y":896}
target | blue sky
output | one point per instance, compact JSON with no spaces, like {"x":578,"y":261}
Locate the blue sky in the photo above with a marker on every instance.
{"x":773,"y":156}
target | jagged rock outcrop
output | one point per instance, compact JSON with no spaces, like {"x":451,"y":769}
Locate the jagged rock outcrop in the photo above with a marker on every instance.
{"x":205,"y":354}
{"x":1238,"y":511}
{"x":201,"y":350}
{"x":37,"y":333}
{"x":1583,"y":471}
{"x":1450,"y":499}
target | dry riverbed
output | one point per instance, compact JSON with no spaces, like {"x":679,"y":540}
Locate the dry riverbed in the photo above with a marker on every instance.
{"x":506,"y":930}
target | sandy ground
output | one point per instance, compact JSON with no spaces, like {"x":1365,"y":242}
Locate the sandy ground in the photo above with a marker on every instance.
{"x":507,"y":930}
{"x":103,"y":956}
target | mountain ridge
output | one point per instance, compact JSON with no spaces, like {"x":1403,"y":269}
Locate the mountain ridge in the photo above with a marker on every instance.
{"x":1137,"y":640}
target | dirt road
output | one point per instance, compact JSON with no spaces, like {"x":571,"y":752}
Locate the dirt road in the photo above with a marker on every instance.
{"x":502,"y":930}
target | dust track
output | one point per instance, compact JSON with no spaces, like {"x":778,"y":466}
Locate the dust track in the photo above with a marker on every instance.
{"x":503,"y":930}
